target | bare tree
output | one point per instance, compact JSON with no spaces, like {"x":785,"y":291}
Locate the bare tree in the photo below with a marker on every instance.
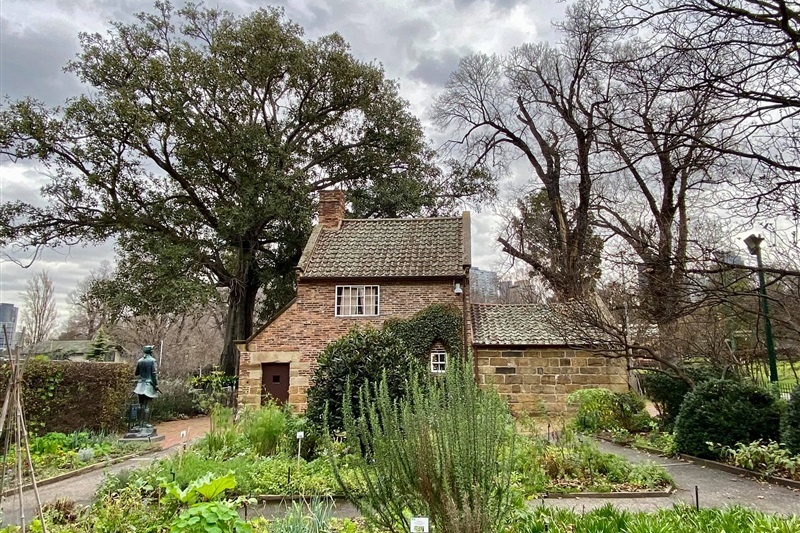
{"x":90,"y":311}
{"x":746,"y":52}
{"x":39,"y":307}
{"x":538,"y":104}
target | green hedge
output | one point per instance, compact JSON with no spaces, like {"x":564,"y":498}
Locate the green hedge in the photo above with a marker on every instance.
{"x":667,"y":392}
{"x":67,"y":396}
{"x":791,"y":423}
{"x":725,"y":413}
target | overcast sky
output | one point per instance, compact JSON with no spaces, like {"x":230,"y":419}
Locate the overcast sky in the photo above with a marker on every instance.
{"x":418,"y":42}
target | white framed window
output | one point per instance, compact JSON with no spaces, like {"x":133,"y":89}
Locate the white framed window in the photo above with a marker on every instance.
{"x":438,"y":361}
{"x":358,"y":300}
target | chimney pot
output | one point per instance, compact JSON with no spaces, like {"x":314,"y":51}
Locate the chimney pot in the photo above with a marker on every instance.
{"x":331,"y":208}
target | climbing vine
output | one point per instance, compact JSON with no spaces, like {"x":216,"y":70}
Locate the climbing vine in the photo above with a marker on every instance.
{"x":436,"y":323}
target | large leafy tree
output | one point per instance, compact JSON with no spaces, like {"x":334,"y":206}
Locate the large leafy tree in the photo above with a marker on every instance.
{"x":200,"y":144}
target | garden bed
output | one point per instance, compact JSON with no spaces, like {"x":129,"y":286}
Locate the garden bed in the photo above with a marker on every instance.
{"x":58,"y":456}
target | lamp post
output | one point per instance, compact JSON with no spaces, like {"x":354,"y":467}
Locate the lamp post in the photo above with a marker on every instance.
{"x":753,"y":243}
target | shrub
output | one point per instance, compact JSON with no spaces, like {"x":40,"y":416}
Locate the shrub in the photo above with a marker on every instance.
{"x":445,"y":451}
{"x":725,"y":413}
{"x":667,"y":392}
{"x":790,"y":433}
{"x":174,"y":402}
{"x":360,"y":356}
{"x":68,"y":396}
{"x":603,"y":410}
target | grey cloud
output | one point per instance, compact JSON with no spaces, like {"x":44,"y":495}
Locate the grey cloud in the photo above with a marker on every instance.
{"x":31,"y":62}
{"x":436,"y":69}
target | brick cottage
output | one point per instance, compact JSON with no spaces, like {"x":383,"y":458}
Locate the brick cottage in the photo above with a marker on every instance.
{"x":357,"y":272}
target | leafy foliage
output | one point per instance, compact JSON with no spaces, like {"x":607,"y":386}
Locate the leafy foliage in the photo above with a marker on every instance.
{"x":771,"y":458}
{"x":790,"y":430}
{"x":436,"y":323}
{"x":667,"y":392}
{"x":345,"y":365}
{"x":67,"y":396}
{"x":603,"y":410}
{"x":574,"y":464}
{"x":680,"y":519}
{"x":444,"y":451}
{"x":725,"y":413}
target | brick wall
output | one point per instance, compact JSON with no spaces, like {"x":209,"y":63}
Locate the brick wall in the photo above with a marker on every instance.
{"x":539,"y":380}
{"x":299,"y":334}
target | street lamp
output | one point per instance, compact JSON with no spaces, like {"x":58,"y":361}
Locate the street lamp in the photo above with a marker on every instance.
{"x":753,"y":243}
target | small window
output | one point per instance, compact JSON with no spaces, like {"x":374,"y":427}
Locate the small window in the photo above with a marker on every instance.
{"x":438,"y":361}
{"x":276,"y":378}
{"x":357,"y":300}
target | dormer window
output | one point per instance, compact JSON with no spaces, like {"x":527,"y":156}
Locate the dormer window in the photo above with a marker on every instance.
{"x":438,"y":361}
{"x":357,"y":300}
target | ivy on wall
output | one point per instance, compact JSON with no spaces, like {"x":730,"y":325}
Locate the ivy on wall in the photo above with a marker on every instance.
{"x":69,"y":396}
{"x":436,"y":323}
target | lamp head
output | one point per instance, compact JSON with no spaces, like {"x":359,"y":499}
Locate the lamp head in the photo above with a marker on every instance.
{"x":753,"y":243}
{"x":458,"y":290}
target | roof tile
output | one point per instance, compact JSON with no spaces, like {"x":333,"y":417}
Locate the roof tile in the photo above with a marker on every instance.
{"x":523,"y":325}
{"x":408,"y":247}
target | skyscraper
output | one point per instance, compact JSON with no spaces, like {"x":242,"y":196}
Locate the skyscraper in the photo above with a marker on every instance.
{"x":8,"y":324}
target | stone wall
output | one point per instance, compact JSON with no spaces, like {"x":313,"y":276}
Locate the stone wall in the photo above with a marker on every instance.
{"x":539,"y":380}
{"x":300,"y":333}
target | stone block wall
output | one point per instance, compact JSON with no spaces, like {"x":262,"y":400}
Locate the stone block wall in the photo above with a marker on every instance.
{"x":539,"y":380}
{"x":302,"y":331}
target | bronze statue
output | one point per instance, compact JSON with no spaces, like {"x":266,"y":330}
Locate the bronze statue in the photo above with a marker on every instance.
{"x":146,"y":389}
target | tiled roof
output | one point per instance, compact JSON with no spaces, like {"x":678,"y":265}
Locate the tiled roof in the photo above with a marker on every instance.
{"x":523,"y":325}
{"x":404,"y":247}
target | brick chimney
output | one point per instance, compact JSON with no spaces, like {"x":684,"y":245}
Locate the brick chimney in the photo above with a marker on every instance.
{"x":331,"y":208}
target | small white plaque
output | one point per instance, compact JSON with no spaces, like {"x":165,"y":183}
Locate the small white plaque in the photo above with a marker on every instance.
{"x":300,"y":434}
{"x":183,"y":434}
{"x":419,"y":524}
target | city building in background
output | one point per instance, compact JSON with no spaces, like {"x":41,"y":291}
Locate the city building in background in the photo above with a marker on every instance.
{"x":8,"y":324}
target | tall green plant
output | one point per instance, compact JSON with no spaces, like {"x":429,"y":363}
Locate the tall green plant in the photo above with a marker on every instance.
{"x":444,"y":451}
{"x":264,"y":428}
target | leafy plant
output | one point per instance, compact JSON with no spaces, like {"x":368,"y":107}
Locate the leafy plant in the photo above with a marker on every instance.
{"x":212,"y":390}
{"x":210,"y":517}
{"x":667,"y":392}
{"x":790,"y":426}
{"x":444,"y":451}
{"x":345,"y":365}
{"x":595,"y":409}
{"x":296,"y":520}
{"x":725,"y":413}
{"x":771,"y":458}
{"x":264,"y":428}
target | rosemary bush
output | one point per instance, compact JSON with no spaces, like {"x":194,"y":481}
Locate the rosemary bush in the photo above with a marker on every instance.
{"x":445,"y":451}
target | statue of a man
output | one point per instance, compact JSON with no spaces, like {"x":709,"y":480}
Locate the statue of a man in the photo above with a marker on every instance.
{"x":147,"y":384}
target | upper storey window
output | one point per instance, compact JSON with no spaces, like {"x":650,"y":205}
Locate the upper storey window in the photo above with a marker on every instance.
{"x":357,"y":300}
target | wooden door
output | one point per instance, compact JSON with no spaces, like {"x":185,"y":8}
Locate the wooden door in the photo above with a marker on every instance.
{"x":275,"y":382}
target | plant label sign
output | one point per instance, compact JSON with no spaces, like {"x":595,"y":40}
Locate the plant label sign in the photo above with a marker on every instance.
{"x":419,"y":524}
{"x":300,"y":435}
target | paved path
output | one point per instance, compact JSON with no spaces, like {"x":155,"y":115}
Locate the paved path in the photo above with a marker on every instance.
{"x":81,"y":489}
{"x":716,"y":488}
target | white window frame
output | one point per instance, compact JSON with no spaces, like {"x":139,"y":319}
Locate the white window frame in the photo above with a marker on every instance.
{"x":338,"y":306}
{"x":438,"y":366}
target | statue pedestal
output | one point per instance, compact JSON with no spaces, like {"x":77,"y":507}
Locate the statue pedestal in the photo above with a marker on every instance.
{"x":142,"y":434}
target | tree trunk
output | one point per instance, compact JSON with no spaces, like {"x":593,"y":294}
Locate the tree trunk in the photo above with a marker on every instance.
{"x":241,"y":306}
